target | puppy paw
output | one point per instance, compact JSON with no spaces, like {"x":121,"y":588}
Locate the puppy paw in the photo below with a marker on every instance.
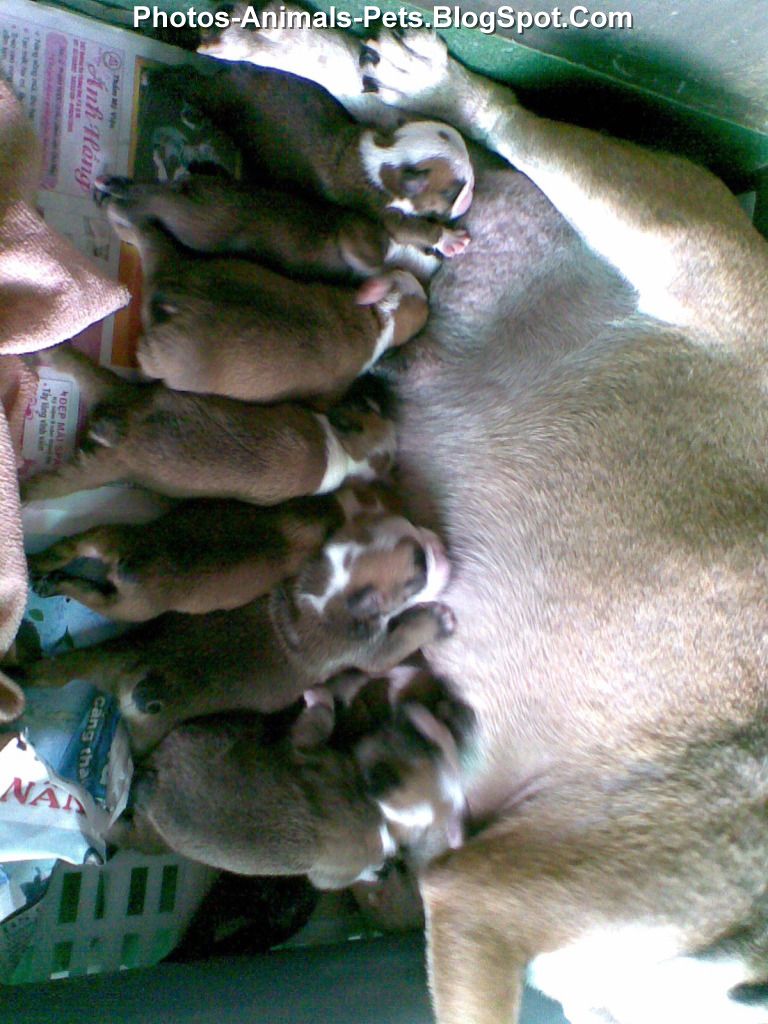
{"x":452,"y":242}
{"x":285,"y":42}
{"x":404,"y":69}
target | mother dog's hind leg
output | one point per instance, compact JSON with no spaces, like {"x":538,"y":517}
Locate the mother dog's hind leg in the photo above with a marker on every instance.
{"x":610,"y":928}
{"x":671,"y":228}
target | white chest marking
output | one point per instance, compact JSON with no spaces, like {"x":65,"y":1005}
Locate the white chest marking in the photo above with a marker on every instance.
{"x":635,"y":974}
{"x":339,"y":464}
{"x":339,"y":558}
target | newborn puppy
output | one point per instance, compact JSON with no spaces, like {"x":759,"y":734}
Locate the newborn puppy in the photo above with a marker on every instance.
{"x":366,"y":601}
{"x":230,"y":327}
{"x":201,"y":556}
{"x":405,"y":731}
{"x":219,"y":791}
{"x":296,"y":235}
{"x":199,"y":445}
{"x":294,"y":135}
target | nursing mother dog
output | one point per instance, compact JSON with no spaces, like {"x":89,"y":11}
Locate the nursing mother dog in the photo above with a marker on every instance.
{"x":586,"y":423}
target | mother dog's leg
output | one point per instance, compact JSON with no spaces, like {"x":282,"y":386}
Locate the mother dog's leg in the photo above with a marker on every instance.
{"x":583,"y":908}
{"x":495,"y":904}
{"x":671,"y":228}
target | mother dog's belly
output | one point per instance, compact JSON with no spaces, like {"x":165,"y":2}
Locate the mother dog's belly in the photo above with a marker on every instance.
{"x":600,"y":484}
{"x":601,"y":579}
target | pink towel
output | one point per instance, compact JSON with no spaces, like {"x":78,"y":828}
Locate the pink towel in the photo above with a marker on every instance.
{"x":48,"y":292}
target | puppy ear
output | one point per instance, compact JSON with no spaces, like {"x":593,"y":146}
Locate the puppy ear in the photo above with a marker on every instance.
{"x":373,"y":290}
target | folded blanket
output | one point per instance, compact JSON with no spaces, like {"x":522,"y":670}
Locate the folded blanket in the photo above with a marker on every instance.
{"x":48,"y":292}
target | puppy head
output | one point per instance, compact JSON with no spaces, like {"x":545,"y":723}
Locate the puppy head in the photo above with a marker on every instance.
{"x":365,"y":430}
{"x":374,"y":568}
{"x":423,"y":166}
{"x":411,"y":768}
{"x":368,"y":573}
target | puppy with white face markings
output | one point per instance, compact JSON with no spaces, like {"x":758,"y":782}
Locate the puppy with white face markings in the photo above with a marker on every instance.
{"x":407,"y":731}
{"x":407,"y":161}
{"x":296,"y":135}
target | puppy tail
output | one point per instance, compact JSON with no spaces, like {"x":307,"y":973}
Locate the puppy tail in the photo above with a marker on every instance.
{"x":97,"y":384}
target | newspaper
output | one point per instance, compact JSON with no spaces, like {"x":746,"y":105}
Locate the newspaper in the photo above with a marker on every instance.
{"x":89,"y":91}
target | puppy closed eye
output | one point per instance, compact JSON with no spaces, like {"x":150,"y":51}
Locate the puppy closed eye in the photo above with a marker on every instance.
{"x":414,"y":180}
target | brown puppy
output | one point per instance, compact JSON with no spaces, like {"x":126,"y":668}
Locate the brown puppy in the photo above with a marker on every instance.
{"x":199,"y":445}
{"x":358,"y":604}
{"x":590,"y":431}
{"x":281,"y":341}
{"x":287,"y":232}
{"x":202,"y":556}
{"x":406,"y":731}
{"x":294,"y":135}
{"x":199,"y":557}
{"x":221,"y":791}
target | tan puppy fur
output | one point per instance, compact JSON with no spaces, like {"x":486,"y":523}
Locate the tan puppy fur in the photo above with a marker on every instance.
{"x":282,"y":341}
{"x":220,"y":791}
{"x":366,"y":601}
{"x":202,"y":556}
{"x":589,"y":426}
{"x":295,"y":135}
{"x":199,"y":445}
{"x":289,"y":233}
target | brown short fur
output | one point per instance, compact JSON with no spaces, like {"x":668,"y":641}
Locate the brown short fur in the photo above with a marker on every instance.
{"x":289,"y":233}
{"x":201,"y":556}
{"x":187,"y":445}
{"x":294,"y":135}
{"x":231,"y":327}
{"x":217,"y":791}
{"x":264,"y":655}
